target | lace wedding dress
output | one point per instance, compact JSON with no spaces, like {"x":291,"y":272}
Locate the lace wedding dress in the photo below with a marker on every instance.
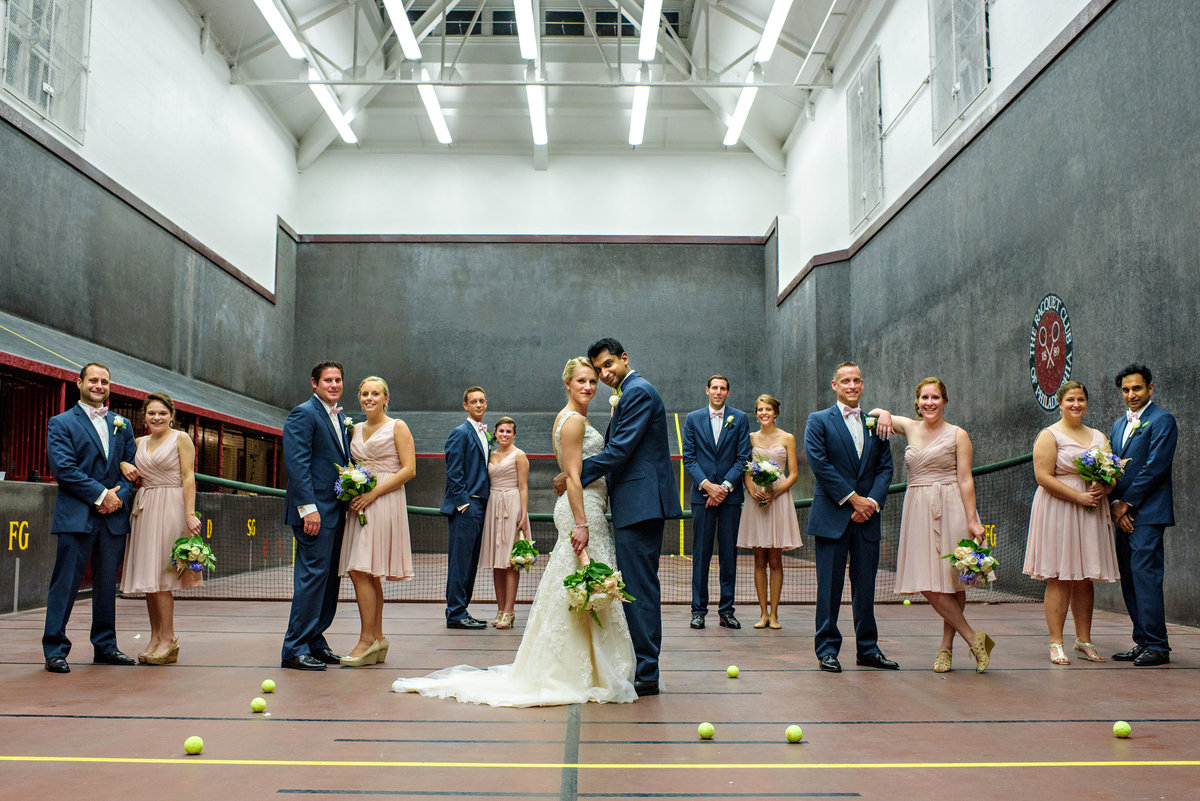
{"x":563,"y":658}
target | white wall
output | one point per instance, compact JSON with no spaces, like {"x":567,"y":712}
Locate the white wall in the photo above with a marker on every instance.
{"x":164,"y":122}
{"x":817,"y":175}
{"x":723,"y":195}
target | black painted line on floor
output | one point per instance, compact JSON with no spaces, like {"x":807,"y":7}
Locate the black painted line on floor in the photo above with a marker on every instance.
{"x":570,"y":778}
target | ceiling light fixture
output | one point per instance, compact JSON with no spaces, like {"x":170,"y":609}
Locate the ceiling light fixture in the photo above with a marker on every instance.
{"x":648,"y":43}
{"x":526,"y":29}
{"x":641,"y":100}
{"x":535,"y":93}
{"x":329,"y":102}
{"x":772,"y":30}
{"x":280,"y":28}
{"x":742,"y":110}
{"x":434,"y":109}
{"x":404,"y":29}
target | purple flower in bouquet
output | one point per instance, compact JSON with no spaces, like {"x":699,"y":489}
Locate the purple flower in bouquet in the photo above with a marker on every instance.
{"x":353,"y":480}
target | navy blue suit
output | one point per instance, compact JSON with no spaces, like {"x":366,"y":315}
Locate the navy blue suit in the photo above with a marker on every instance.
{"x":83,"y":474}
{"x":311,"y":456}
{"x":642,"y":495}
{"x":715,"y":460}
{"x":1146,"y":487}
{"x":466,"y":485}
{"x":839,"y":471}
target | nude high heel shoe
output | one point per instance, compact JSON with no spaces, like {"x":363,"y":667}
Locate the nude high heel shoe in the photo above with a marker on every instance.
{"x":368,"y":657}
{"x":981,"y":649}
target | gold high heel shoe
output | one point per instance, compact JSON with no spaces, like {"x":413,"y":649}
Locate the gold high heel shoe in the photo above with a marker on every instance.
{"x":506,"y":620}
{"x":496,"y":620}
{"x":1082,"y":648}
{"x":941,"y":662}
{"x":165,"y":658}
{"x":383,"y":643}
{"x":1056,"y":654}
{"x":981,"y":649}
{"x":368,"y":657}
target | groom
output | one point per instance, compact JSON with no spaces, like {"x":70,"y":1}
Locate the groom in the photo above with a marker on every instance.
{"x":852,"y":467}
{"x":637,"y":461}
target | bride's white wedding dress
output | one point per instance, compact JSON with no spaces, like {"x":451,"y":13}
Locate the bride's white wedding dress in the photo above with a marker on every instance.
{"x":563,"y":658}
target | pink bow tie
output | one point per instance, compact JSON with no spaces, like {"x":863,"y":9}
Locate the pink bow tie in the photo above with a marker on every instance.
{"x":482,"y":427}
{"x":714,"y":414}
{"x":96,"y":413}
{"x":1131,"y":417}
{"x":848,"y":412}
{"x":335,"y":410}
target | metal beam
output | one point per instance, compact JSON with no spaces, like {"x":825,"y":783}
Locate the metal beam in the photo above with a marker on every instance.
{"x":786,"y":42}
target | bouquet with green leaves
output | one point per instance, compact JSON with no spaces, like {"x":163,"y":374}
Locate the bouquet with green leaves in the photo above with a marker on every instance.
{"x":192,"y":554}
{"x":594,"y":586}
{"x":524,"y":555}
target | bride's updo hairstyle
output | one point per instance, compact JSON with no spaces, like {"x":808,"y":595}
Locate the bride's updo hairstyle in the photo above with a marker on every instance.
{"x":575,"y":364}
{"x":924,"y":383}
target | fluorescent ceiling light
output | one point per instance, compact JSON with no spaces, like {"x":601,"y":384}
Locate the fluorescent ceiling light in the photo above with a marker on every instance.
{"x":280,"y":28}
{"x":771,"y":30}
{"x":526,"y":29}
{"x":649,"y":41}
{"x":536,"y":95}
{"x":741,"y":111}
{"x":434,"y":110}
{"x":404,"y":29}
{"x":641,"y":99}
{"x":328,"y":102}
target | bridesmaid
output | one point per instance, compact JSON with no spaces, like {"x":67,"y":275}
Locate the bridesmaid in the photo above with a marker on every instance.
{"x":163,"y":510}
{"x":381,"y":548}
{"x":1070,"y":539}
{"x":772,"y":528}
{"x":506,"y":518}
{"x":939,"y":510}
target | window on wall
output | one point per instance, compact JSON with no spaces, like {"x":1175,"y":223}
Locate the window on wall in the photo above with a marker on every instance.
{"x":960,"y":62}
{"x":44,"y":58}
{"x":864,"y":141}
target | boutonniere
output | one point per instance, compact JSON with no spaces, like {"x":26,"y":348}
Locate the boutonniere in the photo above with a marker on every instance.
{"x":119,"y":424}
{"x":869,"y":422}
{"x":1138,"y":425}
{"x":491,"y":442}
{"x":729,"y":421}
{"x":348,"y":424}
{"x":615,"y":398}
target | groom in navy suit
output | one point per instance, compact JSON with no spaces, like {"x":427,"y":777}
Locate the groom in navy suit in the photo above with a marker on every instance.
{"x":716,"y":447}
{"x":1142,"y":508}
{"x":86,"y":445}
{"x":642,"y":495}
{"x":465,"y":502}
{"x":853,"y":468}
{"x":316,"y":439}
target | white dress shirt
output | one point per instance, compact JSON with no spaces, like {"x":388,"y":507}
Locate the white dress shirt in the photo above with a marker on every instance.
{"x":1137,"y":418}
{"x":309,"y":508}
{"x":101,"y":425}
{"x":855,"y":426}
{"x":716,"y":422}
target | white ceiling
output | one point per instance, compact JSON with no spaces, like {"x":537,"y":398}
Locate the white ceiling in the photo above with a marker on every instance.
{"x":588,"y":115}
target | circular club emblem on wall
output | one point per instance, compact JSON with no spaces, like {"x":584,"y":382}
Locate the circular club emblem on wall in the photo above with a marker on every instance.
{"x":1049,"y":350}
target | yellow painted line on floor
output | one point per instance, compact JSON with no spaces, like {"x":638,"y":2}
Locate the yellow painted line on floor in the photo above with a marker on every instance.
{"x":329,"y":763}
{"x":679,"y":439}
{"x":43,"y":347}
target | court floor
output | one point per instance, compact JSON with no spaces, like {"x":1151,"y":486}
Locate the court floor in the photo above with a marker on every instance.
{"x":1026,"y":729}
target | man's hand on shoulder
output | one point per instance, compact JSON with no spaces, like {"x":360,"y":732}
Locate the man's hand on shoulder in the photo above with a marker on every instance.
{"x":560,"y":483}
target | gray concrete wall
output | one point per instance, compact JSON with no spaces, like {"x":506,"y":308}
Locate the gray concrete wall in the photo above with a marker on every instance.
{"x":435,"y":318}
{"x":1087,"y":186}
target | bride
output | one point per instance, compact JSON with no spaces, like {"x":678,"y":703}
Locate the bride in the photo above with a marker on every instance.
{"x":564,"y":658}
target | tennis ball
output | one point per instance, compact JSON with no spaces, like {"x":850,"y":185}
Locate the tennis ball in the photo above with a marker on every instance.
{"x":706,"y":731}
{"x":258,"y":705}
{"x":793,"y":734}
{"x":193,"y":745}
{"x":268,"y":685}
{"x":1122,"y":729}
{"x":907,"y":602}
{"x":732,"y":671}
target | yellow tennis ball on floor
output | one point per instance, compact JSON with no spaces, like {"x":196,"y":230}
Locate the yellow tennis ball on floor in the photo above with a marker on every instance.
{"x":793,"y":734}
{"x":907,"y":602}
{"x":1122,"y":729}
{"x":268,"y":685}
{"x":258,"y":705}
{"x":193,"y":745}
{"x":732,"y":671}
{"x":706,"y":731}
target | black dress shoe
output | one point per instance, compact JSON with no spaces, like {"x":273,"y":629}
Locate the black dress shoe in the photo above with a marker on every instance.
{"x":326,"y":656}
{"x":877,"y":660}
{"x":697,"y":621}
{"x":830,"y":664}
{"x":1130,"y":655}
{"x":467,"y":622}
{"x":1149,"y":658}
{"x":113,"y":657}
{"x":57,"y":664}
{"x":730,"y":622}
{"x":302,"y":662}
{"x":643,"y":688}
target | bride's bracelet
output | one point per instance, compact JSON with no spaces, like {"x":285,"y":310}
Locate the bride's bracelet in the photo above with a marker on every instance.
{"x":579,"y":525}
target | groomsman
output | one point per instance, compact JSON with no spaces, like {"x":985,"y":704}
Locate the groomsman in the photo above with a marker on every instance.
{"x":86,"y":445}
{"x":853,"y":468}
{"x":316,"y":439}
{"x":465,"y":501}
{"x":716,"y":447}
{"x":1142,"y":508}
